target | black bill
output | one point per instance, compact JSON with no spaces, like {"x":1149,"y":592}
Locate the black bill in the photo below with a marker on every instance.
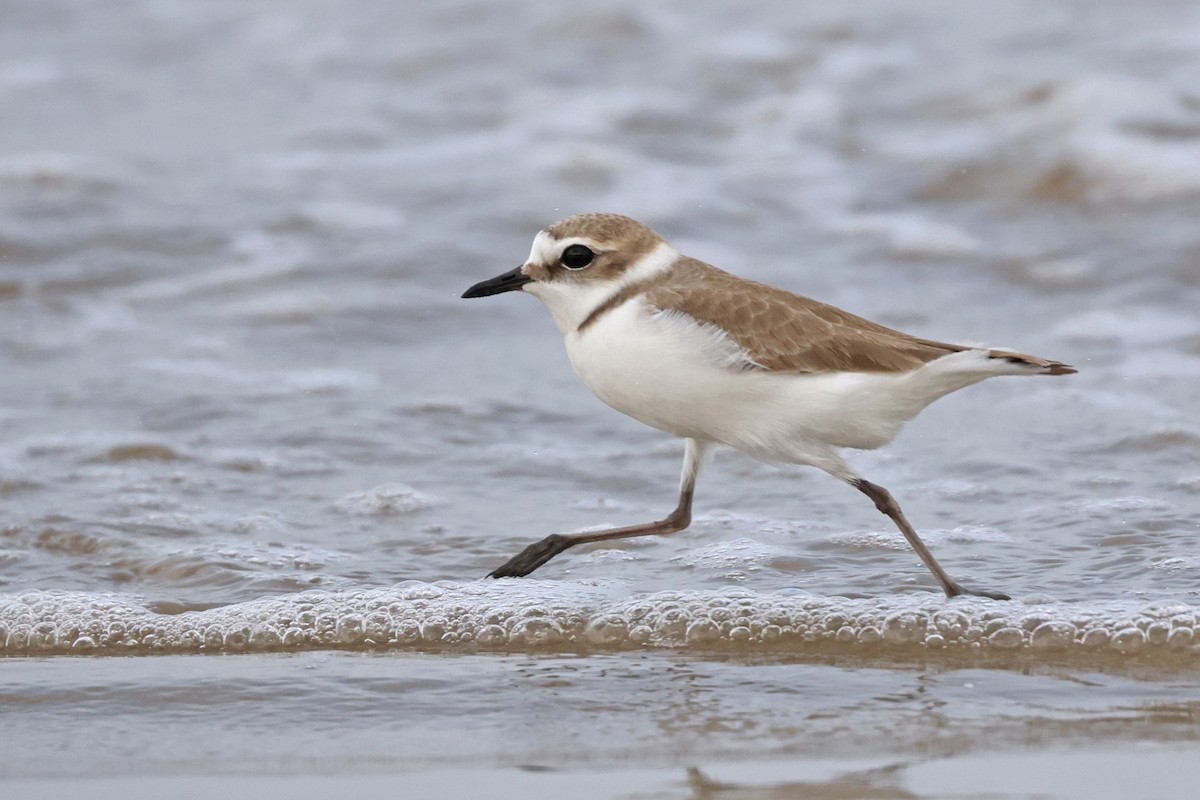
{"x":509,"y":281}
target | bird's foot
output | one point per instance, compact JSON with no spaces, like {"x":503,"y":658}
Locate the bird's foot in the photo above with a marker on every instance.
{"x":532,"y":557}
{"x":957,"y":589}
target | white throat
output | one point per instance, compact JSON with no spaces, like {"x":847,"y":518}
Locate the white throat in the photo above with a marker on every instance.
{"x":570,"y":302}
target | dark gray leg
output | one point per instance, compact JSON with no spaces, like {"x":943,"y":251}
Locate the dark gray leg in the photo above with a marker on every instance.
{"x":887,"y":504}
{"x":539,"y":553}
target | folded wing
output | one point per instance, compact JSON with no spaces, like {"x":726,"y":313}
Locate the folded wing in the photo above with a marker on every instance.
{"x":785,"y":332}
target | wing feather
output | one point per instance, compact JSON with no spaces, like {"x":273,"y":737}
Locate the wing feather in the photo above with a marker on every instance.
{"x":785,"y":332}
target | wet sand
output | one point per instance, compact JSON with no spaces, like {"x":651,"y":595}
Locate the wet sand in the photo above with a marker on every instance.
{"x":1056,"y":774}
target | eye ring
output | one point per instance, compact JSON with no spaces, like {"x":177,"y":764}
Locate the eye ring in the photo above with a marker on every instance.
{"x":576,"y":256}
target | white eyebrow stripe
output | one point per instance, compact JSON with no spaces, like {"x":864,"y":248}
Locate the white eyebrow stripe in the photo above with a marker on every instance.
{"x":656,"y":262}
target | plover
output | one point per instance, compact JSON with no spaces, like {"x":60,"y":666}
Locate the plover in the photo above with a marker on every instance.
{"x":716,"y":359}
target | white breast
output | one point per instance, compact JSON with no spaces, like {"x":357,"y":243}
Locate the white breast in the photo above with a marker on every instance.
{"x":671,"y":372}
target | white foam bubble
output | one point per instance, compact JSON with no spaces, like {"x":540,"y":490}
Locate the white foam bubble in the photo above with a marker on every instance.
{"x":739,"y":554}
{"x":386,"y":500}
{"x":1105,"y":507}
{"x":894,"y":540}
{"x":521,"y":615}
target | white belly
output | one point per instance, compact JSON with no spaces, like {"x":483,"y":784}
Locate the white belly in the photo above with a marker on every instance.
{"x":677,"y":375}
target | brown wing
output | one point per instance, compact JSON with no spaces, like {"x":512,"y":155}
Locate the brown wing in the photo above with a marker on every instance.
{"x":784,"y":332}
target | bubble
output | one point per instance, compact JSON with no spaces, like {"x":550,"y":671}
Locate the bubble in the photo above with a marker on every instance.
{"x":869,"y":634}
{"x":1180,"y":637}
{"x":1006,"y":638}
{"x":537,"y":631}
{"x":349,"y":629}
{"x":834,"y":621}
{"x":43,"y":636}
{"x":994,"y":625}
{"x":390,"y":500}
{"x":236,"y":640}
{"x":17,"y":639}
{"x":1052,"y":635}
{"x":640,"y":634}
{"x":407,"y":631}
{"x":904,"y":628}
{"x":606,"y":630}
{"x":491,"y":635}
{"x":325,"y":626}
{"x":190,"y":639}
{"x":265,"y":637}
{"x":721,"y":614}
{"x":672,"y":624}
{"x":739,"y":633}
{"x":702,"y":630}
{"x":1158,"y":632}
{"x":1129,"y":640}
{"x":595,"y":615}
{"x":377,"y":628}
{"x":293,"y":637}
{"x":433,"y":629}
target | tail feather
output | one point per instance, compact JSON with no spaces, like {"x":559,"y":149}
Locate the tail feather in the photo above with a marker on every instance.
{"x":1044,"y":366}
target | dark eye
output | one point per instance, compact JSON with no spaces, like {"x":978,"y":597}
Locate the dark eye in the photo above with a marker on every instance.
{"x":577,"y":257}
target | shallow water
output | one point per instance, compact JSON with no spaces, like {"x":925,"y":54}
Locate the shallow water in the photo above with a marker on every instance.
{"x":244,"y":411}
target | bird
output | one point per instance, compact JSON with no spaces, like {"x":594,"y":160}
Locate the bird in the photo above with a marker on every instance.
{"x":713,"y":358}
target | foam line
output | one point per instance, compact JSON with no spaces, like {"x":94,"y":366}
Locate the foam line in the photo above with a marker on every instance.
{"x":526,"y":615}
